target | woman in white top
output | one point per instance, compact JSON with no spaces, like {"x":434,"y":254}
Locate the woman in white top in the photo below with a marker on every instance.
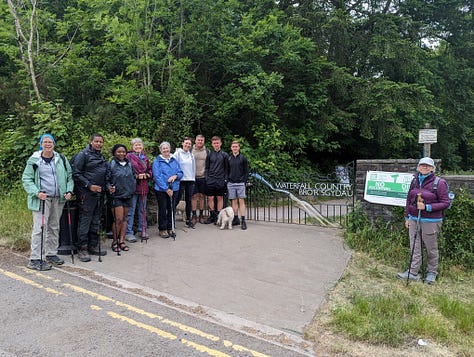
{"x":185,"y":158}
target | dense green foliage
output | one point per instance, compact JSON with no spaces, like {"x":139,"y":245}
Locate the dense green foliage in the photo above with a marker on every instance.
{"x":305,"y":83}
{"x":388,"y":241}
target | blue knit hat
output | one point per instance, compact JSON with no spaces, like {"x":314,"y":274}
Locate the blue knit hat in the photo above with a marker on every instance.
{"x":46,"y":136}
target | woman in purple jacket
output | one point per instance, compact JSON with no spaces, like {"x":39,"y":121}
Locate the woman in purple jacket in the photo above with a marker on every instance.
{"x":426,"y":204}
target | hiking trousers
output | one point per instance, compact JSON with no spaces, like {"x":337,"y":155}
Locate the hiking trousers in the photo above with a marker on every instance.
{"x":52,"y":215}
{"x":428,"y":233}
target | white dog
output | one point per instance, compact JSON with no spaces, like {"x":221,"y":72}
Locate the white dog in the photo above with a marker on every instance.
{"x":181,"y":210}
{"x":225,"y":217}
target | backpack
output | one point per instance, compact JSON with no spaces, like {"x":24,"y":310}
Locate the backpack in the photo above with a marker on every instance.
{"x":35,"y":166}
{"x":451,"y":194}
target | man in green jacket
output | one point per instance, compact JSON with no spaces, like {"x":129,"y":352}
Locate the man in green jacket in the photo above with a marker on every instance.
{"x":47,"y":179}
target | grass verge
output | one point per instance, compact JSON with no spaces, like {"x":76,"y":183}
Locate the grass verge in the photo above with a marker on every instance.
{"x":370,"y":312}
{"x":16,"y":220}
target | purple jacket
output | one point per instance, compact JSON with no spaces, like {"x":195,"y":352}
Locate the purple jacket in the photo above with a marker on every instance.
{"x":140,"y":166}
{"x":438,"y":200}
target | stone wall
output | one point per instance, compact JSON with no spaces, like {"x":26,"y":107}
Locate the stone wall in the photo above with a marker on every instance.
{"x":373,"y":211}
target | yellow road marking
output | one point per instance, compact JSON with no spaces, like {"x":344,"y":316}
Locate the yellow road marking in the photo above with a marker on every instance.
{"x":149,"y":328}
{"x":204,"y":349}
{"x":30,"y":282}
{"x":152,"y":329}
{"x":88,"y":292}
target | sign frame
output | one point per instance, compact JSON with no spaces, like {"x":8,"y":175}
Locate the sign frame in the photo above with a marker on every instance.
{"x":387,"y":188}
{"x":427,"y":136}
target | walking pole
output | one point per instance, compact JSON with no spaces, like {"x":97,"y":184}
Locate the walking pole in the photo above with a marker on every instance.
{"x":173,"y":233}
{"x":414,"y":238}
{"x":70,"y":230}
{"x":116,"y":235}
{"x":42,"y":232}
{"x":143,"y":213}
{"x":99,"y":234}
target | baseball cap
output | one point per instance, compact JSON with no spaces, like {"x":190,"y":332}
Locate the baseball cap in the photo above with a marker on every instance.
{"x":427,"y":161}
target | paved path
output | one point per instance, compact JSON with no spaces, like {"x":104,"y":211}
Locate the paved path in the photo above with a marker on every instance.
{"x":273,"y":274}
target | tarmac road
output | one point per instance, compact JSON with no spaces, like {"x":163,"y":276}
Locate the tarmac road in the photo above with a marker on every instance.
{"x":267,"y":281}
{"x":57,"y":313}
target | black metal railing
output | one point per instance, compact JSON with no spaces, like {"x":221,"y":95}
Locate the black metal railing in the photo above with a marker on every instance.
{"x":270,"y":204}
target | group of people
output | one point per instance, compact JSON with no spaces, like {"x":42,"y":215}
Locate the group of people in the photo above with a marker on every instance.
{"x":199,"y":175}
{"x":192,"y":172}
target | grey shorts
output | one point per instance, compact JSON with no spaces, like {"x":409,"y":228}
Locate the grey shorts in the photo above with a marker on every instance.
{"x":236,"y":190}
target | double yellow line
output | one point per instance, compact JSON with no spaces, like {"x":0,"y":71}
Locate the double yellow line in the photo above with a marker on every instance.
{"x":150,"y":328}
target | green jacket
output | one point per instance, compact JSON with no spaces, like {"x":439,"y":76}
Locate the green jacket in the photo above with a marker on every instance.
{"x":31,"y":179}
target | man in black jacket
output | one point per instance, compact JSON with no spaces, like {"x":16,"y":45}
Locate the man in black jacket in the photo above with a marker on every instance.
{"x":89,"y":170}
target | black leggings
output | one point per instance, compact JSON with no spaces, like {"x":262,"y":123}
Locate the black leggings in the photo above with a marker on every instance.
{"x":188,"y":188}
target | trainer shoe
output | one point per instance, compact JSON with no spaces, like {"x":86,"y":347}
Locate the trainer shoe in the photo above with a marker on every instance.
{"x":243,"y":225}
{"x":83,"y":254}
{"x":95,"y":251}
{"x":430,"y":278}
{"x":37,"y":264}
{"x":130,"y":238}
{"x":54,"y":259}
{"x":404,"y":275}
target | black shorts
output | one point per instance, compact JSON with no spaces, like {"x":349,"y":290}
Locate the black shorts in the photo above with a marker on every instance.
{"x":120,"y":202}
{"x":200,"y":186}
{"x":216,"y":191}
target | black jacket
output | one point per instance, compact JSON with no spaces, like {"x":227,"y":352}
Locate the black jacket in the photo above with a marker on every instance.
{"x":88,"y":168}
{"x":122,"y":177}
{"x":238,"y":169}
{"x":216,"y":168}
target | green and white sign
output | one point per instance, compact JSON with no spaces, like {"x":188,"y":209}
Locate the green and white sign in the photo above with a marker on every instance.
{"x":387,"y":188}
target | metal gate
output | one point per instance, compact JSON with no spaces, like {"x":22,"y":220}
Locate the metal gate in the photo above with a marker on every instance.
{"x":313,"y":199}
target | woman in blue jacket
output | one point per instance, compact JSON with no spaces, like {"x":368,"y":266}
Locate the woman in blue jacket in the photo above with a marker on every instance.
{"x":166,"y":176}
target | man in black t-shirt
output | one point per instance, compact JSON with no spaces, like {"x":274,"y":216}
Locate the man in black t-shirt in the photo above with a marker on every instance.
{"x":216,"y":178}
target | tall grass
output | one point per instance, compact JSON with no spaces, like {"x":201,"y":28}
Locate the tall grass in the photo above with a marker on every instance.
{"x":15,"y":220}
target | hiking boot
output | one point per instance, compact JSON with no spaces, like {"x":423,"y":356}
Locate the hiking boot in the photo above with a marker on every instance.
{"x":130,"y":238}
{"x":95,"y":251}
{"x":164,"y":234}
{"x":236,"y":221}
{"x":202,"y":220}
{"x":54,"y":259}
{"x":37,"y":264}
{"x":83,"y":254}
{"x":404,"y":275}
{"x":194,"y":220}
{"x":243,"y":225}
{"x":430,"y":278}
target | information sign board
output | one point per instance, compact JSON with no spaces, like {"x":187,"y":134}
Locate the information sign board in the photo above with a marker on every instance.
{"x":387,"y":188}
{"x":428,"y":136}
